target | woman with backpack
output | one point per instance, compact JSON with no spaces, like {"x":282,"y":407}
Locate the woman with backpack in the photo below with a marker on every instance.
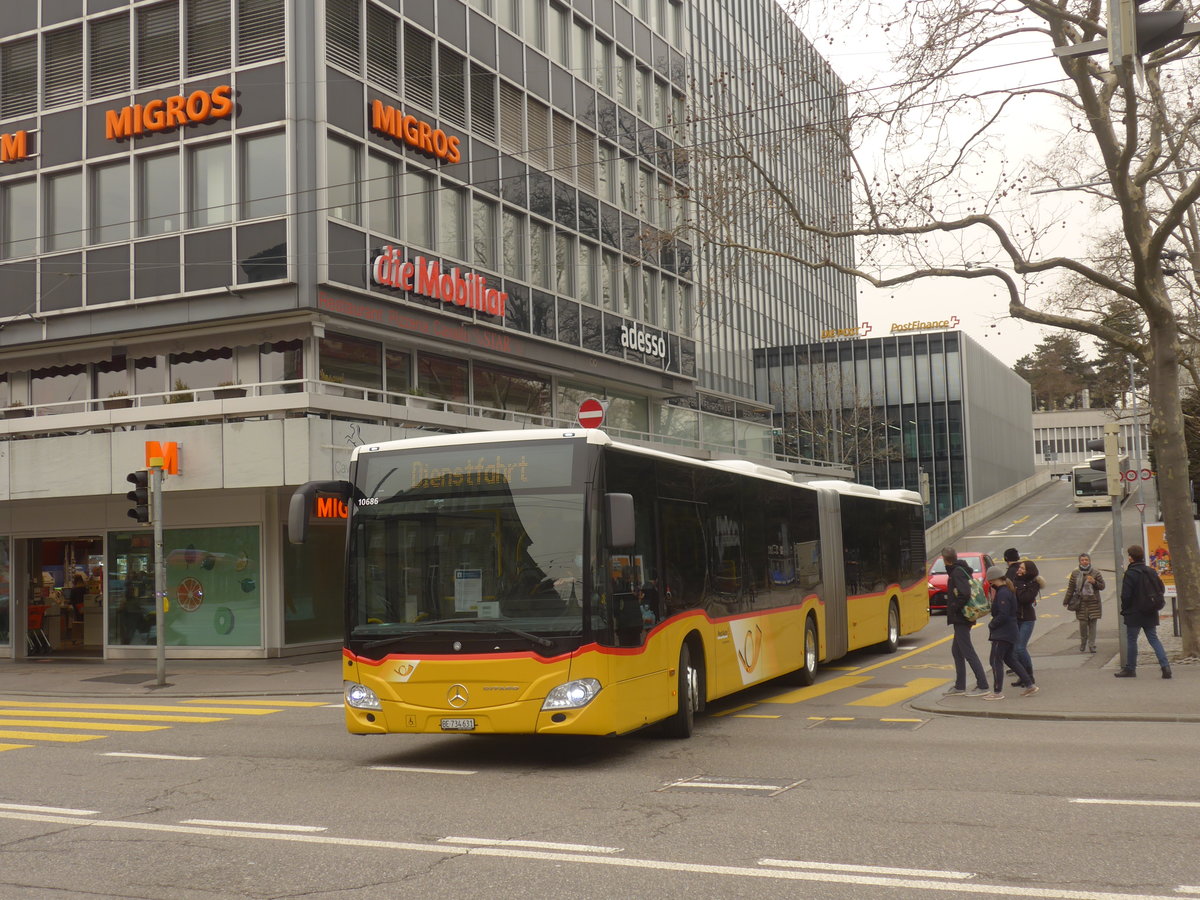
{"x":1003,"y":633}
{"x":1083,"y":598}
{"x":958,"y":594}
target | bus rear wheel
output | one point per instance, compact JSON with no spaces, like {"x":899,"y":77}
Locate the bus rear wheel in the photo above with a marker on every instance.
{"x":689,"y":678}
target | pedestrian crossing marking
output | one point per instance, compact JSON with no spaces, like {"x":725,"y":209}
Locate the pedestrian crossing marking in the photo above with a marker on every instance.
{"x":818,"y":690}
{"x":4,"y":747}
{"x":131,"y":717}
{"x":227,"y":701}
{"x":49,"y":736}
{"x":892,"y":696}
{"x":228,"y":711}
{"x":735,"y":709}
{"x":91,"y":726}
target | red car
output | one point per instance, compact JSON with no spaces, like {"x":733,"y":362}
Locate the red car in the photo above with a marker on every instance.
{"x":979,"y":563}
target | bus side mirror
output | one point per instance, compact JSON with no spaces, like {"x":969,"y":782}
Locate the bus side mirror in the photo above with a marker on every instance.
{"x":619,"y":509}
{"x":302,"y":503}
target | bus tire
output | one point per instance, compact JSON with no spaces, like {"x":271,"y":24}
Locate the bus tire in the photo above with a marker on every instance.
{"x":807,"y":673}
{"x":689,"y":678}
{"x":891,"y":643}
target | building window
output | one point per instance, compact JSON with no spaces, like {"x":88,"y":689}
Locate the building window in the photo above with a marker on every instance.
{"x":60,"y":385}
{"x":500,"y":388}
{"x":157,"y":44}
{"x":534,"y":24}
{"x":539,"y":254}
{"x":398,"y":370}
{"x":208,"y":36}
{"x":158,"y":194}
{"x":586,"y":275}
{"x":108,"y":63}
{"x":261,"y":30}
{"x":20,"y":218}
{"x":418,"y":201}
{"x":63,"y":76}
{"x":564,"y":263}
{"x":111,"y":378}
{"x":564,"y":148}
{"x":512,"y":118}
{"x":452,"y":85}
{"x":418,"y":67}
{"x":64,"y":211}
{"x":610,"y":275}
{"x":201,"y":369}
{"x":539,"y":133}
{"x":341,"y":176}
{"x":110,"y":203}
{"x":381,"y":194}
{"x":443,"y":378}
{"x":383,"y":58}
{"x":342,"y":33}
{"x":514,"y":244}
{"x":351,"y":360}
{"x":210,"y":185}
{"x":18,"y":78}
{"x":264,"y":175}
{"x":452,"y":232}
{"x":483,"y":233}
{"x":483,"y":102}
{"x":281,"y":361}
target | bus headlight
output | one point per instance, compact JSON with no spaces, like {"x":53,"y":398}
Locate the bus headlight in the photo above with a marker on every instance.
{"x":359,"y":696}
{"x":572,"y":695}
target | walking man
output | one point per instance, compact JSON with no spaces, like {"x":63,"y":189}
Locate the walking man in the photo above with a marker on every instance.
{"x":1141,"y":599}
{"x":958,"y":592}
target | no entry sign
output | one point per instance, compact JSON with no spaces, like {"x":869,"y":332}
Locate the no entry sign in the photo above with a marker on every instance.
{"x":591,"y":413}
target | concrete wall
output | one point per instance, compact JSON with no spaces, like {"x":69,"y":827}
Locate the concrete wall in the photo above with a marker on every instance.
{"x":949,"y":528}
{"x":999,"y":432}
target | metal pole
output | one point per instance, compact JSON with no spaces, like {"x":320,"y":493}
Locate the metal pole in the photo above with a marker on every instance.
{"x":1137,"y":452}
{"x":160,"y":578}
{"x":1118,"y":576}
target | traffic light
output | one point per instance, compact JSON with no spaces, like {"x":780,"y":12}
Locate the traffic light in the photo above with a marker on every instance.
{"x":1110,"y":462}
{"x":139,"y":496}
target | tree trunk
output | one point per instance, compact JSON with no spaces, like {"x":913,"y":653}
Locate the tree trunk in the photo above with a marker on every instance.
{"x":1170,"y":446}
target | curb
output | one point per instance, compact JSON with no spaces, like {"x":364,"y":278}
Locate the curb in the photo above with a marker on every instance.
{"x":1050,"y":716}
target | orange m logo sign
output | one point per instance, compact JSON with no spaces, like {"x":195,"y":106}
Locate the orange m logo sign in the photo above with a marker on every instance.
{"x":164,"y":455}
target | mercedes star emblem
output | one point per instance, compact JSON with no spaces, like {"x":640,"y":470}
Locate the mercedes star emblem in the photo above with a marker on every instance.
{"x":457,"y":696}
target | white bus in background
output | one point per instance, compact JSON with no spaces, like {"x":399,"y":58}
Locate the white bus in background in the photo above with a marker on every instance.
{"x":1091,"y":485}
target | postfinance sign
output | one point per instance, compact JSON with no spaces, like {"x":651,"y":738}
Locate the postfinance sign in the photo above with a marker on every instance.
{"x":427,"y":278}
{"x":167,"y":113}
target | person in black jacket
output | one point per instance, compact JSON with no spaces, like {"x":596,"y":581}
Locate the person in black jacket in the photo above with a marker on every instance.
{"x":958,"y":592}
{"x":1027,"y":585}
{"x":1003,"y":633}
{"x":1140,"y":577}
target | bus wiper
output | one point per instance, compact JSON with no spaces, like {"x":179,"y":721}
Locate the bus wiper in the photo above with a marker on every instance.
{"x":534,"y":638}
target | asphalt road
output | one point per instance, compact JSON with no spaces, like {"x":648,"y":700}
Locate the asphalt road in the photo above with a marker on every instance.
{"x":838,"y":794}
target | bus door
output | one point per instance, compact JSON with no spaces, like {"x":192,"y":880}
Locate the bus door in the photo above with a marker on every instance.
{"x":833,"y":575}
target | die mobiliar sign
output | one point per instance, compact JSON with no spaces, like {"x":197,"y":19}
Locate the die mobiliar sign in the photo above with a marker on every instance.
{"x":427,"y":278}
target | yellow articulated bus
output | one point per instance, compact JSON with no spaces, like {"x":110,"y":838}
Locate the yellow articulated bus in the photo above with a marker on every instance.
{"x":561,"y":582}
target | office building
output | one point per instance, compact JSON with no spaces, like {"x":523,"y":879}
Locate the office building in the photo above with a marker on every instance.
{"x":266,"y":231}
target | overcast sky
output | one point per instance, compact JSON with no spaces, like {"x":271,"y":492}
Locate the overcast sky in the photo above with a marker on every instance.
{"x":859,"y":54}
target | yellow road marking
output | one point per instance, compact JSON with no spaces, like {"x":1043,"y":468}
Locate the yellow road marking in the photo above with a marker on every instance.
{"x":1020,"y":520}
{"x":817,"y":690}
{"x":4,"y":747}
{"x":909,"y":655}
{"x":91,"y":726}
{"x":726,"y":712}
{"x":898,"y":695}
{"x":143,"y":708}
{"x":226,"y":701}
{"x":49,"y":736}
{"x":751,"y":716}
{"x":840,"y":719}
{"x":132,"y":717}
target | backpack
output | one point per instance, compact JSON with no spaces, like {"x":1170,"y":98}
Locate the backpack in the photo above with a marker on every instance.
{"x":978,"y":606}
{"x":1148,"y":594}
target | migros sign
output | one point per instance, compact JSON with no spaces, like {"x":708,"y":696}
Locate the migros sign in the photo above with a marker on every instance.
{"x":14,"y":147}
{"x":171,"y":112}
{"x":417,"y":134}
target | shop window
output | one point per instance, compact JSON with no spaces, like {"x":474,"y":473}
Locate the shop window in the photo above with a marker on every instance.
{"x":264,"y":175}
{"x":158,"y":194}
{"x":110,"y":203}
{"x":62,"y":79}
{"x":313,"y":583}
{"x":19,"y":223}
{"x":110,"y":378}
{"x":381,"y":194}
{"x":281,"y":361}
{"x":208,"y":36}
{"x":510,"y":389}
{"x":200,"y":369}
{"x":213,"y":580}
{"x":341,"y":177}
{"x":351,"y":360}
{"x":64,"y":210}
{"x":398,"y":365}
{"x":157,"y":44}
{"x":59,"y":385}
{"x":210,"y":184}
{"x":108,"y":64}
{"x":443,"y":378}
{"x":260,"y":30}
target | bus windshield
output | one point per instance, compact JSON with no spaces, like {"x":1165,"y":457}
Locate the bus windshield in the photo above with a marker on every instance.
{"x":464,"y":542}
{"x":1089,"y":482}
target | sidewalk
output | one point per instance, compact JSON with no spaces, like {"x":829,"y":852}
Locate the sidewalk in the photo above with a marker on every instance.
{"x":317,"y":674}
{"x":1080,"y":687}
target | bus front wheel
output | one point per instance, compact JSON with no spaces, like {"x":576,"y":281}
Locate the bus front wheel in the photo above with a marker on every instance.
{"x":689,"y":678}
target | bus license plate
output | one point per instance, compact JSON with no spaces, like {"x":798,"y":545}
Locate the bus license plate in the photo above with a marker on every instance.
{"x":458,"y":724}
